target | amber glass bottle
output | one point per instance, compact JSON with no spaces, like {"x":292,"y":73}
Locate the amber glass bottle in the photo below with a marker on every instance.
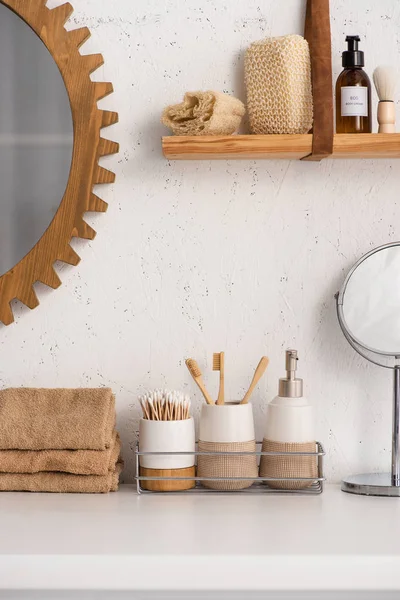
{"x":353,"y":92}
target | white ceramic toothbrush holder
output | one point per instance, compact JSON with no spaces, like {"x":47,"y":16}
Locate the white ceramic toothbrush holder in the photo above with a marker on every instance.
{"x":231,"y":422}
{"x":227,"y":428}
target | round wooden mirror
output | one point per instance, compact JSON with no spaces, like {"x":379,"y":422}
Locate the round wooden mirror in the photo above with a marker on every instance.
{"x":50,"y":146}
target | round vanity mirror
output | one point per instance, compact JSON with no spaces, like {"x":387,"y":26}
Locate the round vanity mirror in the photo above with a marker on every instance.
{"x":369,"y":314}
{"x":371,"y":301}
{"x":36,"y":138}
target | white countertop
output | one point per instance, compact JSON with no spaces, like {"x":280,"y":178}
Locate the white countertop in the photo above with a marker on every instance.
{"x":122,"y":541}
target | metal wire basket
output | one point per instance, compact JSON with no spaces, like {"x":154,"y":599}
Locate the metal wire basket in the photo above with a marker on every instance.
{"x":315,"y":485}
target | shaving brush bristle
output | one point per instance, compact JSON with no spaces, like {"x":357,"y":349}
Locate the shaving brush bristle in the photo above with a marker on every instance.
{"x":385,"y":80}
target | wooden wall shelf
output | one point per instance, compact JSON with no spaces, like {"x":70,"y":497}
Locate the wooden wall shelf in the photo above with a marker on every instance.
{"x":287,"y":147}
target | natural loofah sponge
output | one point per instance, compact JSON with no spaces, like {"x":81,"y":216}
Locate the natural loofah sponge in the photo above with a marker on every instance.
{"x":205,"y":113}
{"x":278,"y":81}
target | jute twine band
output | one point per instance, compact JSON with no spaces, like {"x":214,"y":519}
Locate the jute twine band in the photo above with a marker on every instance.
{"x":227,"y":466}
{"x":289,"y":466}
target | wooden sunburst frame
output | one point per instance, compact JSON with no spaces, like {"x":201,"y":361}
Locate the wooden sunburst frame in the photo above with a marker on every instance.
{"x":88,"y":147}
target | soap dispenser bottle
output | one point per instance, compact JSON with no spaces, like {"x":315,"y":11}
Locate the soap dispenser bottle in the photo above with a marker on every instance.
{"x":353,"y":92}
{"x":289,"y":428}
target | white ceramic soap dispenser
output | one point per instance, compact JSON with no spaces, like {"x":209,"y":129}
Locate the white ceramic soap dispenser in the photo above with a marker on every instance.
{"x":290,"y":417}
{"x":289,"y":429}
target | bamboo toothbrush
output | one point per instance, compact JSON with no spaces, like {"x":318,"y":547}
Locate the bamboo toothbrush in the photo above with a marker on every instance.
{"x":196,"y":374}
{"x":219,"y":365}
{"x":262,"y":365}
{"x":385,"y":82}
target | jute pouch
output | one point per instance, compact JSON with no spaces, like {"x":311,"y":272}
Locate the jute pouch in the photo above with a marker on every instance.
{"x":288,"y":466}
{"x":279,"y":89}
{"x":227,"y":466}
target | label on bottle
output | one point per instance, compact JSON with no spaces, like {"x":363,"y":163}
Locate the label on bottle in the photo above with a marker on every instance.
{"x":354,"y":101}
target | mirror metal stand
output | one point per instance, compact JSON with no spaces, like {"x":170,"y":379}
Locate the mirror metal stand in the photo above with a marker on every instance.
{"x":376,"y":484}
{"x":396,"y":430}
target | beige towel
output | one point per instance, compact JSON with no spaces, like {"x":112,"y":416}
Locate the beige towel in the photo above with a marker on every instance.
{"x":56,"y":419}
{"x":77,"y":462}
{"x":61,"y":482}
{"x":205,"y":113}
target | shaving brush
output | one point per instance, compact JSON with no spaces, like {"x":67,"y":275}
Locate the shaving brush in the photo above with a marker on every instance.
{"x":385,"y":83}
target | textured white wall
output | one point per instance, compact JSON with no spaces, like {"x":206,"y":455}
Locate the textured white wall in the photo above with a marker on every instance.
{"x":198,"y":257}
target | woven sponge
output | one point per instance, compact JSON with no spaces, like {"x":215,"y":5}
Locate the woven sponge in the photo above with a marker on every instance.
{"x":278,"y":81}
{"x":205,"y":113}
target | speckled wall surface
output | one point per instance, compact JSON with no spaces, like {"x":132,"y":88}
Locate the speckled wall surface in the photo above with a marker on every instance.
{"x":197,"y":257}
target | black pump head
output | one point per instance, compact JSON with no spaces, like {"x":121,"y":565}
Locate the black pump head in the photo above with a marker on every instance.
{"x":352,"y":42}
{"x":353,"y":58}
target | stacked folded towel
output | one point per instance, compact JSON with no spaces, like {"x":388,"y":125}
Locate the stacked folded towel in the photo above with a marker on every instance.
{"x":59,"y":440}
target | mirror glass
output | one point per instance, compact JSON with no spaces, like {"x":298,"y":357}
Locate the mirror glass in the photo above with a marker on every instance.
{"x":371,"y":301}
{"x":36,"y":138}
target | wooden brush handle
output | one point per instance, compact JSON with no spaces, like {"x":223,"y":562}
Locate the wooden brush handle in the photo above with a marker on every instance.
{"x":203,"y":390}
{"x":221,"y":394}
{"x":387,"y":117}
{"x":262,"y":365}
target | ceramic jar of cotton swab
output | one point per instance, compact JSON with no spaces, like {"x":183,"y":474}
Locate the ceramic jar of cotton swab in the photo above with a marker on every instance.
{"x":167,"y":426}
